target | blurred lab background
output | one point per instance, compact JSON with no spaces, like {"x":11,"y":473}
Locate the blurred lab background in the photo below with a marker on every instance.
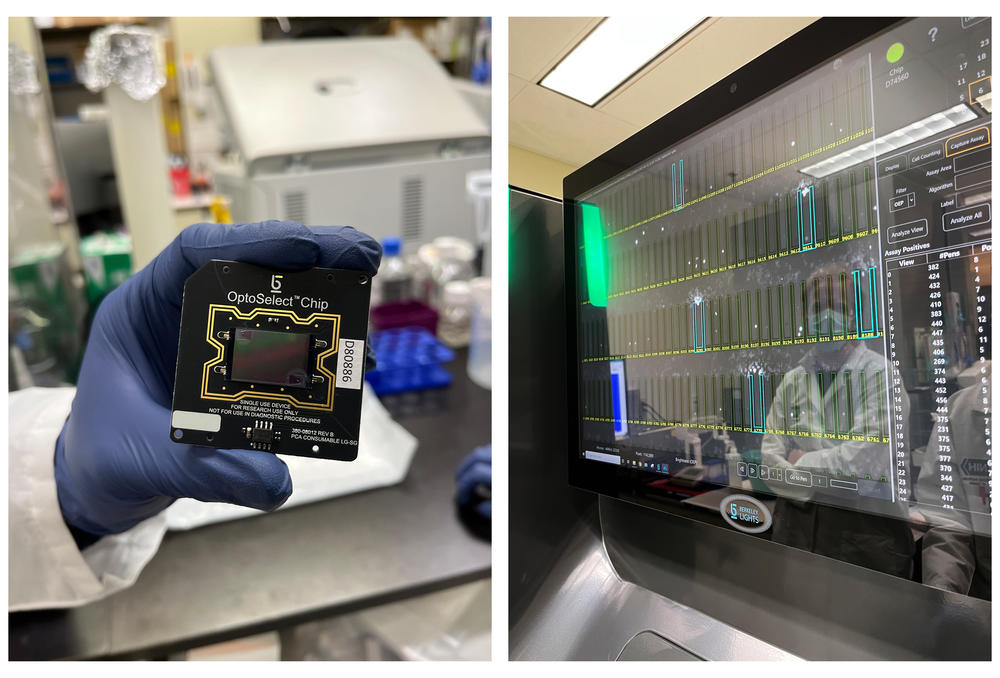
{"x":123,"y":131}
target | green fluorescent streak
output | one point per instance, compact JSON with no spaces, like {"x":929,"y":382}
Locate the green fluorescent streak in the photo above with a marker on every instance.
{"x":593,"y":246}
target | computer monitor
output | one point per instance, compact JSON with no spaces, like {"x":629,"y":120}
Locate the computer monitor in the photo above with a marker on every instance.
{"x":779,"y":310}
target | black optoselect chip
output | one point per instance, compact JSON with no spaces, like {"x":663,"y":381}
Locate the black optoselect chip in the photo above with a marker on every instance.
{"x":271,"y":360}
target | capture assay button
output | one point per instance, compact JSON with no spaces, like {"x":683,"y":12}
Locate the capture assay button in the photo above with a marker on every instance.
{"x":967,"y":141}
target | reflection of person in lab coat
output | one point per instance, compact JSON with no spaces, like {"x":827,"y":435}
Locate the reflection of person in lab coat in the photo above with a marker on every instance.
{"x":853,"y":403}
{"x":801,"y":403}
{"x":814,"y":409}
{"x":956,"y":548}
{"x":810,"y":517}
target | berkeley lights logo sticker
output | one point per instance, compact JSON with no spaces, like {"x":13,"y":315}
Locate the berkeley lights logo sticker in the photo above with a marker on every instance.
{"x":276,"y":282}
{"x":745,"y":513}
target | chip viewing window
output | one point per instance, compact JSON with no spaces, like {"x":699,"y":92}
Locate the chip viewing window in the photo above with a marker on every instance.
{"x":266,"y":357}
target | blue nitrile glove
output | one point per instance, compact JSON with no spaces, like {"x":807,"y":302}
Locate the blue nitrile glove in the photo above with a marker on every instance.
{"x":115,"y":464}
{"x":474,"y":482}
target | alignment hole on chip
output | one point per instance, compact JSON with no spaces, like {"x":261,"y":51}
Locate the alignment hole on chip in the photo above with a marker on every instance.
{"x":225,"y":269}
{"x":209,"y":437}
{"x":315,"y":448}
{"x":178,"y":434}
{"x":329,"y":276}
{"x":363,"y":279}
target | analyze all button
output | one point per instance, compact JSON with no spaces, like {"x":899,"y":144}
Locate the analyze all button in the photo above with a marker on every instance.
{"x":976,"y":215}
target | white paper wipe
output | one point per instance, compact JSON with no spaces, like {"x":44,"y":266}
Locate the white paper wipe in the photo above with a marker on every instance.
{"x":384,"y":456}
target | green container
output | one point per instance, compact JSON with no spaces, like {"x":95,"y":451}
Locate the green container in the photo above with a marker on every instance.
{"x":107,"y":263}
{"x":48,"y":308}
{"x":37,"y":273}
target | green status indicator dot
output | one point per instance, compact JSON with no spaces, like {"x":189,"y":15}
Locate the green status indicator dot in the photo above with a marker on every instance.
{"x":895,"y":52}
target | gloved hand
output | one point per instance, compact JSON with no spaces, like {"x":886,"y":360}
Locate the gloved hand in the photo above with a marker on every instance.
{"x":474,"y":482}
{"x":115,"y":465}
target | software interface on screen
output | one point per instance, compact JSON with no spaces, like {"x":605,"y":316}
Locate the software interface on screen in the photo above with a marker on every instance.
{"x":796,"y":299}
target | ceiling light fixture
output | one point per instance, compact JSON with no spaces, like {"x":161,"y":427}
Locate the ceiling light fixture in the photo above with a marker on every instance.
{"x":612,"y":53}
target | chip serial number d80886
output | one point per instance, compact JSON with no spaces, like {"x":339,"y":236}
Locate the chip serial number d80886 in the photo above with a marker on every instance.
{"x":272,"y":360}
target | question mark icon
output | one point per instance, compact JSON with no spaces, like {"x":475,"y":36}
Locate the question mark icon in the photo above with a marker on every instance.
{"x":933,"y":32}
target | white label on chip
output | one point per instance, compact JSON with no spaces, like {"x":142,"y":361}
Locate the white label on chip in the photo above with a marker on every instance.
{"x":196,"y":421}
{"x":350,"y":363}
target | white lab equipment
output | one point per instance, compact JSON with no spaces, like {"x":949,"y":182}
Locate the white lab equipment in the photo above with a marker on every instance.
{"x":481,"y":332}
{"x":456,"y":313}
{"x":447,"y":259}
{"x":477,"y":187}
{"x":367,"y":132}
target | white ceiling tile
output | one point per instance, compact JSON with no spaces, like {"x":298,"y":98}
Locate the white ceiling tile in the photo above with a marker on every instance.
{"x":558,"y":127}
{"x":537,"y":43}
{"x":696,"y":64}
{"x":514,"y":86}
